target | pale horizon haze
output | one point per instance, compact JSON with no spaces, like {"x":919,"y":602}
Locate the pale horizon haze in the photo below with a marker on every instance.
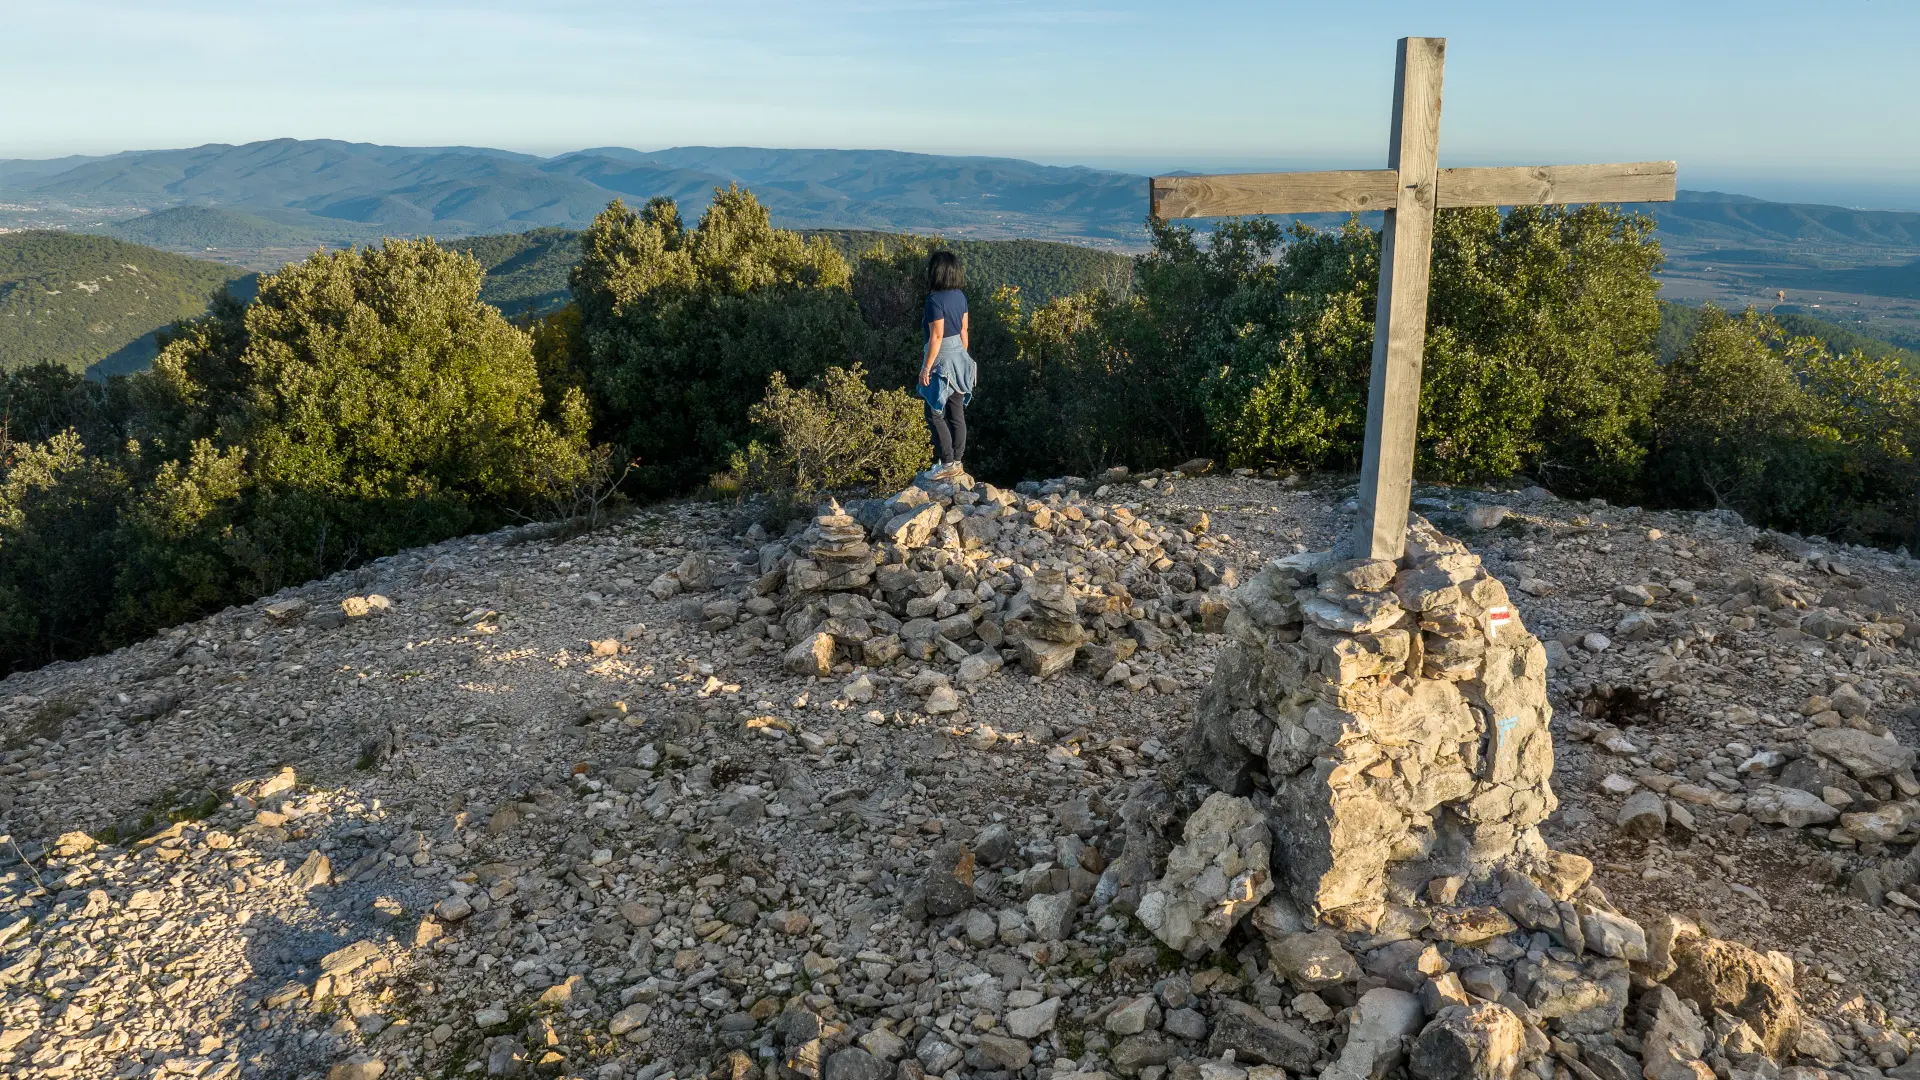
{"x":1782,"y":101}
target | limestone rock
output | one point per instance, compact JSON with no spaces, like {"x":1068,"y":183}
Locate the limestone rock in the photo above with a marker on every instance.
{"x":855,"y":1063}
{"x":1135,"y":1016}
{"x":978,"y":668}
{"x":1044,"y":658}
{"x":1728,"y":977}
{"x":1674,"y":1039}
{"x":1142,"y":1051}
{"x":74,"y":844}
{"x":1051,"y":915}
{"x":316,"y":871}
{"x":1865,"y":756}
{"x":695,"y":572}
{"x":1883,"y":824}
{"x":1442,"y":991}
{"x":1478,"y":1041}
{"x":629,"y":1018}
{"x":1032,"y":1021}
{"x":1486,"y":516}
{"x":1254,"y":1036}
{"x":1405,"y":965}
{"x":1213,"y":879}
{"x":936,"y":1055}
{"x":1583,"y":999}
{"x":1313,"y":961}
{"x":912,"y":528}
{"x":1613,"y":935}
{"x":1376,"y":1035}
{"x":1643,"y":815}
{"x":812,"y":655}
{"x":1045,"y":606}
{"x":947,"y":888}
{"x":1796,"y":809}
{"x":995,"y":1053}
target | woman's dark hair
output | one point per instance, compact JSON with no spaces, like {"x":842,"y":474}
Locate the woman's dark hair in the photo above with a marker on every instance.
{"x":943,"y":272}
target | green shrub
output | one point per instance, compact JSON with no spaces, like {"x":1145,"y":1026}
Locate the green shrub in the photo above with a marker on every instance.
{"x":1537,"y":358}
{"x":364,"y":402}
{"x":58,"y":549}
{"x":682,"y":328}
{"x":836,"y":436}
{"x":1788,"y":433}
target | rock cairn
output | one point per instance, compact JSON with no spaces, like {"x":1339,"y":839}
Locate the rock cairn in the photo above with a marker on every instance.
{"x":1395,"y":716}
{"x":838,"y":557}
{"x":981,"y":578}
{"x":1377,"y":735}
{"x":1046,"y":621}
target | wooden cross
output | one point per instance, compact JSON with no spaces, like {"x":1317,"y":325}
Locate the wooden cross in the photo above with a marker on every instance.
{"x":1409,"y":189}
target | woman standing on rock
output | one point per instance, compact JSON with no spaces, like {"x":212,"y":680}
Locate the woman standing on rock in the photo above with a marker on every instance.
{"x":947,"y":374}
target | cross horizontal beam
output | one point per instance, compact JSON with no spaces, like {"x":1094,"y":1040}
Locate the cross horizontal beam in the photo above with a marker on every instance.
{"x":1378,"y":189}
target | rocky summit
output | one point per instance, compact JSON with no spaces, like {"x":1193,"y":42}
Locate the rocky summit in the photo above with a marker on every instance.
{"x":984,"y":784}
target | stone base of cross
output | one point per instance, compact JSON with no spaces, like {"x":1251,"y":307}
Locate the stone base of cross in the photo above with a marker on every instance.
{"x":1409,"y":190}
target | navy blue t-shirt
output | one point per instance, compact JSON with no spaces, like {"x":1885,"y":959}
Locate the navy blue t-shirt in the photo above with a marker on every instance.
{"x":948,"y":304}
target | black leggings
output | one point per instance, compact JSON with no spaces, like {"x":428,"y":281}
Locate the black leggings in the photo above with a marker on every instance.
{"x":949,"y":430}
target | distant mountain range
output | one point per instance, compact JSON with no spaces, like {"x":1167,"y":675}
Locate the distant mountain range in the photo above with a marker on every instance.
{"x":1717,"y":216}
{"x":344,"y":191}
{"x":258,"y":205}
{"x":324,"y":190}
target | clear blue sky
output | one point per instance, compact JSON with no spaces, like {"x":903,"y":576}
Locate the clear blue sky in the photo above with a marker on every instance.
{"x":1778,"y":99}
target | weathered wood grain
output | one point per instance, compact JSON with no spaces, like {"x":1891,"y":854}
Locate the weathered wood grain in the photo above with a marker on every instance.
{"x":1538,"y":185}
{"x":1400,"y":318}
{"x":1274,"y":193}
{"x":1377,"y":189}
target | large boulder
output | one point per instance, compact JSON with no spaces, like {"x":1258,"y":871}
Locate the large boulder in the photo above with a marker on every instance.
{"x":1860,"y":753}
{"x":1478,"y":1041}
{"x":1728,"y":977}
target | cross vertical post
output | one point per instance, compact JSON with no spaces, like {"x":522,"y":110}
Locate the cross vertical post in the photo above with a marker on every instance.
{"x":1400,"y":317}
{"x":1410,"y":189}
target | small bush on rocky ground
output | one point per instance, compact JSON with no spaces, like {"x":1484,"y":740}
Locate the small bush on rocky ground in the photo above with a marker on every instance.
{"x":839,"y":434}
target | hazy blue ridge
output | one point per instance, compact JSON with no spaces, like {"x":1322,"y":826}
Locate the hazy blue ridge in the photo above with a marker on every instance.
{"x":344,"y":191}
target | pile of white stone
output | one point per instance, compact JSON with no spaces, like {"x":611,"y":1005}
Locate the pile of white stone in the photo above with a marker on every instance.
{"x":967,"y":576}
{"x":1376,"y":741}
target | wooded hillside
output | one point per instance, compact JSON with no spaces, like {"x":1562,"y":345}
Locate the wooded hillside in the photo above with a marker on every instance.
{"x":78,"y":300}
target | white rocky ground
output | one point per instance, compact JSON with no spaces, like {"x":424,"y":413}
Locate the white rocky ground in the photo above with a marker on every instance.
{"x":508,"y":812}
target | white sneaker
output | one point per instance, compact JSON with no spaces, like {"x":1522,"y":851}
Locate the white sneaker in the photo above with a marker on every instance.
{"x":946,"y":470}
